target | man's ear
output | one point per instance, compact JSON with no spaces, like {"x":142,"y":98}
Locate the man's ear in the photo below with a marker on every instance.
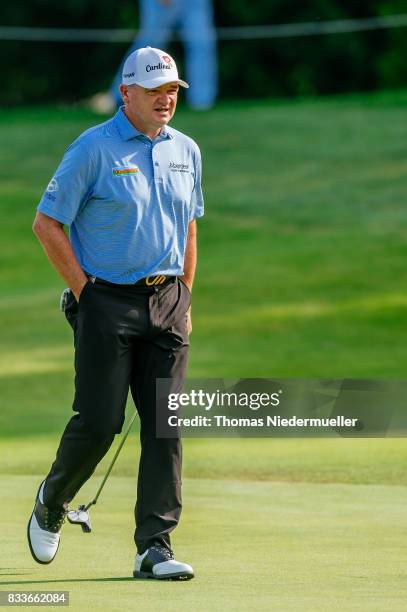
{"x":124,"y":92}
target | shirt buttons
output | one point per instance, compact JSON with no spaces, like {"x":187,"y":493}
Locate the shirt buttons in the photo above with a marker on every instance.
{"x":156,"y":164}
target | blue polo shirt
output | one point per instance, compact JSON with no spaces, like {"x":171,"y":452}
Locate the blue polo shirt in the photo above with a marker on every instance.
{"x":127,"y":199}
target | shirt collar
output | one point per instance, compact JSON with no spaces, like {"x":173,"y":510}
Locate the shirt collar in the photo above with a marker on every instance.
{"x":127,"y":131}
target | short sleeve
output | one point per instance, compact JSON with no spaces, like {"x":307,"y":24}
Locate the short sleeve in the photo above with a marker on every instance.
{"x":197,"y":201}
{"x":71,"y":185}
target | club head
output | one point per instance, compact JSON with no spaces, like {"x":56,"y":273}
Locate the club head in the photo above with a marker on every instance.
{"x":80,"y":517}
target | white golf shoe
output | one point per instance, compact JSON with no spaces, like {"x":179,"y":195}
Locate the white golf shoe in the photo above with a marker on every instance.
{"x":43,"y":531}
{"x":158,"y":562}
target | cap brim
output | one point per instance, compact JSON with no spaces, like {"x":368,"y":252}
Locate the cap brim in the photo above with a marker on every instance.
{"x":157,"y":82}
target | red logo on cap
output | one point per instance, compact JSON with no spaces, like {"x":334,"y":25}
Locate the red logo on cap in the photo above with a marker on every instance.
{"x":166,"y":59}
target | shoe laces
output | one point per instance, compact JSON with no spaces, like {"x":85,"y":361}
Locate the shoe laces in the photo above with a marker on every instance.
{"x":168,"y":554}
{"x":54,"y":519}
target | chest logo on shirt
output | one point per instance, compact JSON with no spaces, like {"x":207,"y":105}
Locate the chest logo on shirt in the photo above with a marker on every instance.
{"x":125,"y":171}
{"x":178,"y":167}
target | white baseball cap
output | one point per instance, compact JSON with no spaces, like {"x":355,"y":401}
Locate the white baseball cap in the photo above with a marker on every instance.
{"x":150,"y":68}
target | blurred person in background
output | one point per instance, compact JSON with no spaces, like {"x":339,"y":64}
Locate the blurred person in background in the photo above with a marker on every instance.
{"x":195,"y":24}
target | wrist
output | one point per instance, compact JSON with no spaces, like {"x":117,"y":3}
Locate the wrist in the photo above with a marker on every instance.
{"x":77,"y":290}
{"x":187,"y":282}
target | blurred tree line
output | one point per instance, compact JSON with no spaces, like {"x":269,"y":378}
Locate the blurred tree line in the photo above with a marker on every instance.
{"x":37,"y":72}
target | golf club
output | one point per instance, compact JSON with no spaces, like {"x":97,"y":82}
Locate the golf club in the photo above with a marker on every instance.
{"x":81,"y":515}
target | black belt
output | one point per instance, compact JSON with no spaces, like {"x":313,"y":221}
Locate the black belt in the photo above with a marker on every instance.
{"x":149,"y":281}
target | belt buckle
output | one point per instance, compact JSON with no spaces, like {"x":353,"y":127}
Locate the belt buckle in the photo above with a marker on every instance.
{"x":151,"y":281}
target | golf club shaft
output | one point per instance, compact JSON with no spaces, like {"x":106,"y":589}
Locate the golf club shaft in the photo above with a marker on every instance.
{"x":102,"y":484}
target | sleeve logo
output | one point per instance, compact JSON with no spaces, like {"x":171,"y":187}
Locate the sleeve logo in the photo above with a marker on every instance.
{"x":52,"y":185}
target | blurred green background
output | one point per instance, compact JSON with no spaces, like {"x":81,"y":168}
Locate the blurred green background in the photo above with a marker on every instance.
{"x":301,"y":274}
{"x":302,"y":250}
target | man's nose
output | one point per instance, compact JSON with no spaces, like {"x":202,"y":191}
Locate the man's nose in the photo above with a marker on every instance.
{"x":164,"y":99}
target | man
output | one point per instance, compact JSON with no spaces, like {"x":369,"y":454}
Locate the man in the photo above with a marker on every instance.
{"x":195,"y":24}
{"x":130,"y":191}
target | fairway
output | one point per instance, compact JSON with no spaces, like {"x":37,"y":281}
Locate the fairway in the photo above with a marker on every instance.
{"x":255,"y":546}
{"x":301,"y":274}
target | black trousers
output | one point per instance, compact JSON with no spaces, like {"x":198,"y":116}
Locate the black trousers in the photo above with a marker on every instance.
{"x":125,"y":337}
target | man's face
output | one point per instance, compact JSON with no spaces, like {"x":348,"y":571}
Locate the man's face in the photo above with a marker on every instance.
{"x":150,"y":109}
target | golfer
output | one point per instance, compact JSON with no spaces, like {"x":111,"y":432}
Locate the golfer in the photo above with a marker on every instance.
{"x":130,"y":192}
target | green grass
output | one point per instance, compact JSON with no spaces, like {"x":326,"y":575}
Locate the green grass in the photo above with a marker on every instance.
{"x":301,"y":273}
{"x":324,"y":461}
{"x":254,"y":546}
